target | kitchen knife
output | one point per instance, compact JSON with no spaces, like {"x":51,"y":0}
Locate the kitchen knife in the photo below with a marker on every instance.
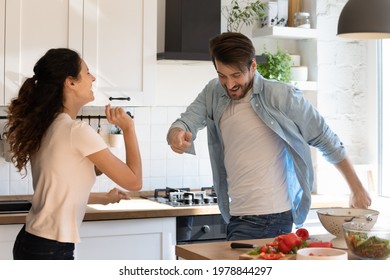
{"x":236,"y":245}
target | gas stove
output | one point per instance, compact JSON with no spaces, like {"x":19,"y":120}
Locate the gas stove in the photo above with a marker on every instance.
{"x":181,"y":197}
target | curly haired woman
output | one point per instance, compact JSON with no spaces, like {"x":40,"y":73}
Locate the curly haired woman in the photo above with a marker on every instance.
{"x":63,"y":153}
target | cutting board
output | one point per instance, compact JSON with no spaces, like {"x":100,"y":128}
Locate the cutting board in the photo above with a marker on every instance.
{"x":256,"y":257}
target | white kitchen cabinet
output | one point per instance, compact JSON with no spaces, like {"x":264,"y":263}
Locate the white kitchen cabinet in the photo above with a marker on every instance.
{"x":134,"y":239}
{"x":119,"y":45}
{"x":116,"y":39}
{"x":2,"y":55}
{"x":29,"y":29}
{"x":7,"y":238}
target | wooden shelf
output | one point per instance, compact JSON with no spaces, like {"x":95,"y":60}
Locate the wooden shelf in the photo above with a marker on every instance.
{"x":285,"y":32}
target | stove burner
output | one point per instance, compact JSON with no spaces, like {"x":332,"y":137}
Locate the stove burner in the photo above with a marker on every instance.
{"x":185,"y":196}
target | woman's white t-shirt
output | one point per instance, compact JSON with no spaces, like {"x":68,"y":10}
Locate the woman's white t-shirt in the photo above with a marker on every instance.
{"x":62,"y":179}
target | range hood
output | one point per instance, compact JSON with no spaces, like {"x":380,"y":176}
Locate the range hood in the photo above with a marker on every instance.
{"x":189,"y":25}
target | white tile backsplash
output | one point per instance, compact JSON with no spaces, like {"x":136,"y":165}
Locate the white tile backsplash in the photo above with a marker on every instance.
{"x":161,"y":166}
{"x":4,"y":171}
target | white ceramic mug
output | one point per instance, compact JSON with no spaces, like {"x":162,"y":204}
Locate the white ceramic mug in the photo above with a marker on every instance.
{"x":116,"y":140}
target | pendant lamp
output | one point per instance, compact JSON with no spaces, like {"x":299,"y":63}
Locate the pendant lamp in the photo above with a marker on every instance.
{"x":365,"y":19}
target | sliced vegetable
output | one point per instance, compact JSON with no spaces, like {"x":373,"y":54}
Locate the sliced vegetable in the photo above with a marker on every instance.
{"x":282,"y":244}
{"x":271,"y":256}
{"x":319,"y":244}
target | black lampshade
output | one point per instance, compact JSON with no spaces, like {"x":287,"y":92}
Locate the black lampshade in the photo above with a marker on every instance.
{"x":365,"y":19}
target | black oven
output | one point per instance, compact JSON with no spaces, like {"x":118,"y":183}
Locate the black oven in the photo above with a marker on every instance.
{"x":200,"y":228}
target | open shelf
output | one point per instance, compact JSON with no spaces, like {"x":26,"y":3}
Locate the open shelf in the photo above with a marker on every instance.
{"x":305,"y":85}
{"x":285,"y":32}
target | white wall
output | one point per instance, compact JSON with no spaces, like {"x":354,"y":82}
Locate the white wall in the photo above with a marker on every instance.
{"x":347,"y":95}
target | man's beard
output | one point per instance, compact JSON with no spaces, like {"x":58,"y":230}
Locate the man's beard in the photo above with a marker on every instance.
{"x":244,"y":91}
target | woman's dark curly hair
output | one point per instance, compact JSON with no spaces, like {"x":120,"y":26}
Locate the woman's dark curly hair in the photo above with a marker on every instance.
{"x":39,"y":101}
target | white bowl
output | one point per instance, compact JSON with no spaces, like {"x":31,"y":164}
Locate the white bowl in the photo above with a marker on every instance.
{"x":332,"y":219}
{"x":321,"y":254}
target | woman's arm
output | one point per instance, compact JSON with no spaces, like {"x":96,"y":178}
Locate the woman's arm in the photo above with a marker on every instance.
{"x":113,"y":196}
{"x":127,"y":174}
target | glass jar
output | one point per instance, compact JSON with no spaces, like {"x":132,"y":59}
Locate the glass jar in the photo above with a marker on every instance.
{"x":302,"y":20}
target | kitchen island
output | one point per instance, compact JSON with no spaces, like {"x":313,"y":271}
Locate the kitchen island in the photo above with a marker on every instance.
{"x":223,"y":251}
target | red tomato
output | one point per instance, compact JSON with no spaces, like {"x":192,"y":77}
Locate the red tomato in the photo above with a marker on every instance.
{"x":264,"y":249}
{"x":302,"y":233}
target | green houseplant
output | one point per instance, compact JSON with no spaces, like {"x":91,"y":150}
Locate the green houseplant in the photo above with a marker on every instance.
{"x":277,"y":66}
{"x":242,"y":12}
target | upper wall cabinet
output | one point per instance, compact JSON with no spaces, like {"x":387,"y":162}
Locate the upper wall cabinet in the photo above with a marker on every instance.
{"x":2,"y":56}
{"x":29,"y":29}
{"x":118,"y":43}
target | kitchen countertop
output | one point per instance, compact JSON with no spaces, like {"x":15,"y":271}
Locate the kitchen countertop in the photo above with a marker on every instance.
{"x":139,"y":208}
{"x":222,"y":250}
{"x":135,"y":208}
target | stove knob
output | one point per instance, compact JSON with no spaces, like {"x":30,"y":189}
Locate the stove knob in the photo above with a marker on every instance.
{"x":197,"y":201}
{"x":188,"y":201}
{"x":206,"y":229}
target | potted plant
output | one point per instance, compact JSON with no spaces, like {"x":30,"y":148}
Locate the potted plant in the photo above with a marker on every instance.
{"x":276,"y":66}
{"x":242,"y":12}
{"x":116,"y":138}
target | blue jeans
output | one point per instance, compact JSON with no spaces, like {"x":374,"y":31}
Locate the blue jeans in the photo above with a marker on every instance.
{"x":31,"y":247}
{"x":259,"y":226}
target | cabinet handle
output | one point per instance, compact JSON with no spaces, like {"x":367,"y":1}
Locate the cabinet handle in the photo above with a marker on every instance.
{"x":119,"y":98}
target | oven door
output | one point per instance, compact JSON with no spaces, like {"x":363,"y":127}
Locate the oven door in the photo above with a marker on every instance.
{"x":200,"y":228}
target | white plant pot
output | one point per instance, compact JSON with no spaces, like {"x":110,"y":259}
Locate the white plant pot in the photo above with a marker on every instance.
{"x":299,"y":73}
{"x":116,"y":140}
{"x":296,"y":60}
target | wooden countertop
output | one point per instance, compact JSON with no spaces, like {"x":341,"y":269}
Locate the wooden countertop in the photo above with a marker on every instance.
{"x":222,"y":250}
{"x":136,"y":208}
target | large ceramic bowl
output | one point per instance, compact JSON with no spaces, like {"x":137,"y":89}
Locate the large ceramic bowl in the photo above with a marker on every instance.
{"x":321,"y":254}
{"x":367,"y":242}
{"x":332,"y":219}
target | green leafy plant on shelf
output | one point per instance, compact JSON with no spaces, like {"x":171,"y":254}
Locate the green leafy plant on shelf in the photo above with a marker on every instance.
{"x":277,"y":66}
{"x":242,"y":12}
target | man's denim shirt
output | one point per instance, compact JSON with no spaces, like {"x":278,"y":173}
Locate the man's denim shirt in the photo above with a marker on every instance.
{"x":283,"y":108}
